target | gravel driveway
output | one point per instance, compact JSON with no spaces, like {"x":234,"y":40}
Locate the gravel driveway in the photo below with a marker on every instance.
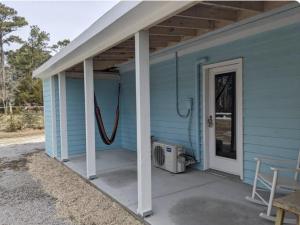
{"x":36,"y":189}
{"x":22,"y":199}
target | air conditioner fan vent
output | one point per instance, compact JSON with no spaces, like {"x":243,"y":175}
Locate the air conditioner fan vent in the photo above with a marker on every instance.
{"x":159,"y":155}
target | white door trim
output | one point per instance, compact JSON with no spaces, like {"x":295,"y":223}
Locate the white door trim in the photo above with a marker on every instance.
{"x":239,"y":116}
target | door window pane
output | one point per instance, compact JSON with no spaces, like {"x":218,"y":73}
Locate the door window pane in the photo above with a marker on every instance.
{"x":225,"y":115}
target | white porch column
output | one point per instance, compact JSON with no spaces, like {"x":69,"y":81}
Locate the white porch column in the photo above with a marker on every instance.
{"x":89,"y":118}
{"x":63,"y":116}
{"x":143,"y":123}
{"x":53,"y":117}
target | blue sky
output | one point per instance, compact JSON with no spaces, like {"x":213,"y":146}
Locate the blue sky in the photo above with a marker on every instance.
{"x":62,"y":19}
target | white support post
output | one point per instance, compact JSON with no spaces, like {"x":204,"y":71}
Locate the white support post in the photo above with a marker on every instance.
{"x":143,"y":123}
{"x":63,"y":116}
{"x":89,"y":118}
{"x":53,"y":117}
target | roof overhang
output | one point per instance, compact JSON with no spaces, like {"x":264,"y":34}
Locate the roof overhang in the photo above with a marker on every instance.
{"x":117,"y":25}
{"x":110,"y":43}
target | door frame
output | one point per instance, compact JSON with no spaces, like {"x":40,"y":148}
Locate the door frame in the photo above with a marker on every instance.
{"x":239,"y":111}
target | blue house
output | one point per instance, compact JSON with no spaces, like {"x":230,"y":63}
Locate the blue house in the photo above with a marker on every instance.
{"x":219,"y":79}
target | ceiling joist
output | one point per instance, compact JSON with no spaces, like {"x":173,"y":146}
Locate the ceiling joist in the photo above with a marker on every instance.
{"x":190,"y":23}
{"x":202,"y":11}
{"x":254,"y":6}
{"x":202,"y":17}
{"x":120,"y":50}
{"x":115,"y":55}
{"x":172,"y":31}
{"x":164,"y":38}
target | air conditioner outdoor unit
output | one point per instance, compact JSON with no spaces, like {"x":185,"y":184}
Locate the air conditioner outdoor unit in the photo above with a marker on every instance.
{"x":168,"y":157}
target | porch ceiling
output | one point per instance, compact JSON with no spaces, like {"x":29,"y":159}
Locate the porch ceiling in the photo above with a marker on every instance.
{"x":110,"y":42}
{"x":197,"y":20}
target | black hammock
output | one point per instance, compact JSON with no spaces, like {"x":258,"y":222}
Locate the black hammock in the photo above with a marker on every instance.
{"x":107,"y":140}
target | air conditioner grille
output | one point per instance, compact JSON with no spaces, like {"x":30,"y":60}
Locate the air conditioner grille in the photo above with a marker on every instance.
{"x":159,"y":155}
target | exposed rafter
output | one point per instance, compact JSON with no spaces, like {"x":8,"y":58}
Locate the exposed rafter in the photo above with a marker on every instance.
{"x":202,"y":11}
{"x":155,"y":42}
{"x":255,"y":6}
{"x":113,"y":58}
{"x":120,"y":50}
{"x":180,"y":22}
{"x":164,"y":38}
{"x":197,"y":20}
{"x":102,"y":65}
{"x":172,"y":31}
{"x":109,"y":55}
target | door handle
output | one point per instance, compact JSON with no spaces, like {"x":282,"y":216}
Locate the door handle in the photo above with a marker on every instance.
{"x":210,"y":121}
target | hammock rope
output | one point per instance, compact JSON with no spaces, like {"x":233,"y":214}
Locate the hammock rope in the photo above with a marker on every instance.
{"x":107,"y":140}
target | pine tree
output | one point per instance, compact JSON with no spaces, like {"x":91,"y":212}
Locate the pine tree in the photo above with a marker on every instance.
{"x":34,"y":52}
{"x":9,"y":22}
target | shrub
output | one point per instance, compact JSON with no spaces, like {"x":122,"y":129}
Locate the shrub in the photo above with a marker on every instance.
{"x":33,"y":119}
{"x":13,"y":124}
{"x":28,"y":119}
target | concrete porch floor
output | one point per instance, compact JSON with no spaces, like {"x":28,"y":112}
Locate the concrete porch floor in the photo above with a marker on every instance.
{"x":191,"y":198}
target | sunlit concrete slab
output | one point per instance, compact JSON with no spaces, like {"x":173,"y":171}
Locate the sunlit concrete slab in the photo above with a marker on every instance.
{"x":105,"y":160}
{"x":213,"y":203}
{"x":190,"y":198}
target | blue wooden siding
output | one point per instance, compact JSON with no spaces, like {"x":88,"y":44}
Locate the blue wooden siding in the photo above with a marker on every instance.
{"x":128,"y":112}
{"x":48,"y":119}
{"x":47,"y":116}
{"x":106,"y":92}
{"x":271,"y":81}
{"x":166,"y":125}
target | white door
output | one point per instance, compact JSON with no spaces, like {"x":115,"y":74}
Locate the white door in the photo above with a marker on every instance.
{"x":224,"y":117}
